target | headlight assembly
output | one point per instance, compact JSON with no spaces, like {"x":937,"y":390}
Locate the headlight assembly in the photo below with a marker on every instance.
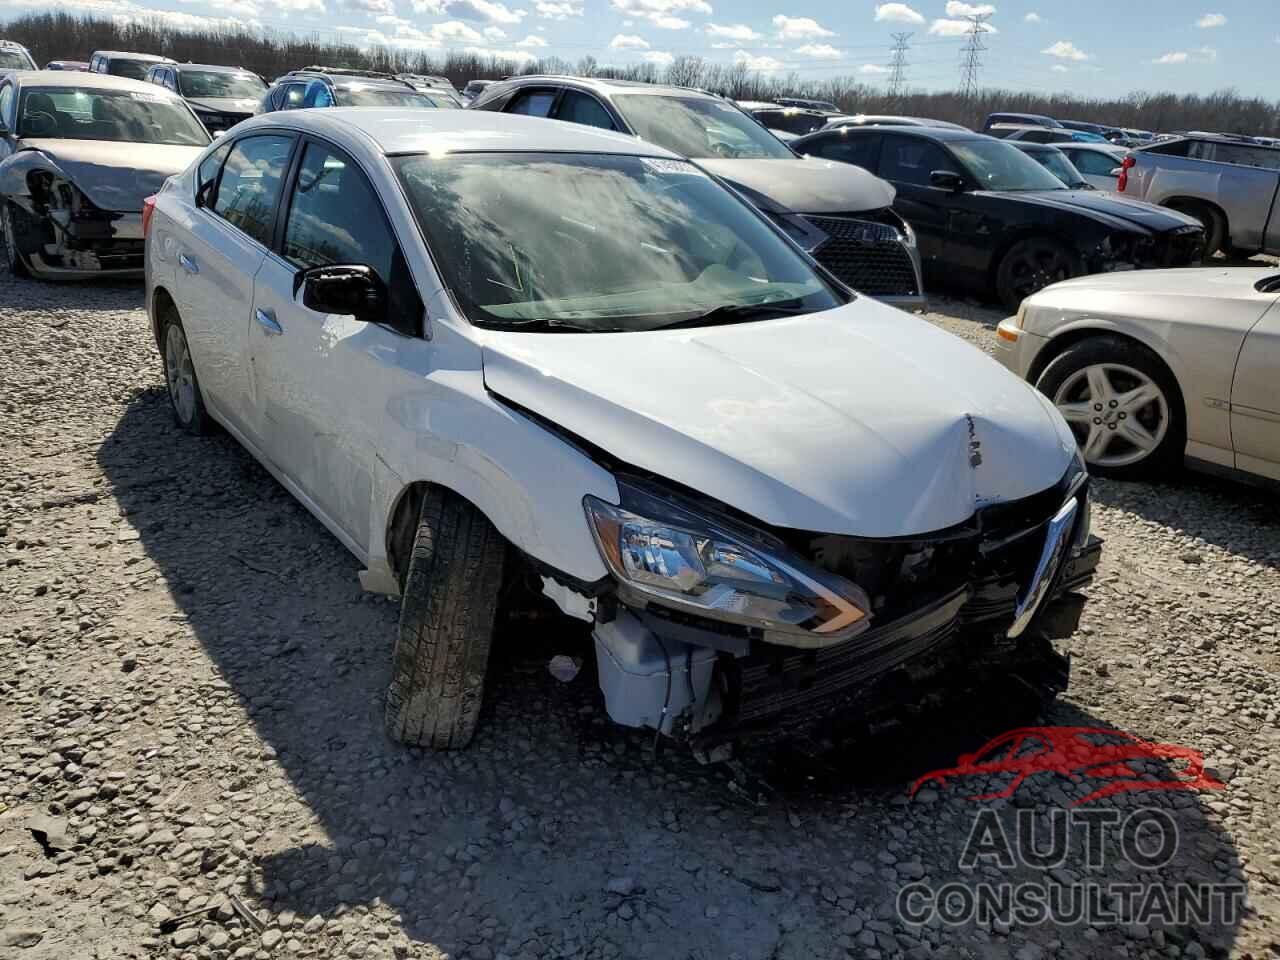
{"x":665,"y":553}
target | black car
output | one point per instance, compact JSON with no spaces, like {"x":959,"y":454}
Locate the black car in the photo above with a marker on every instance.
{"x":220,"y":96}
{"x":1056,"y":162}
{"x":992,"y":220}
{"x":334,"y":87}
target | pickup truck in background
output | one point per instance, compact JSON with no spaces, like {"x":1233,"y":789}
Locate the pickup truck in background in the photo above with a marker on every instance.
{"x":1228,"y":185}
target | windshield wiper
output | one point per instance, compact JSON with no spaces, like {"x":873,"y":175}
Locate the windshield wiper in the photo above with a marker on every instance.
{"x":739,"y":313}
{"x":547,"y":325}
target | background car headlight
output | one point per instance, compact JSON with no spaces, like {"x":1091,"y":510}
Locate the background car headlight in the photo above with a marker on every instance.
{"x":681,"y":560}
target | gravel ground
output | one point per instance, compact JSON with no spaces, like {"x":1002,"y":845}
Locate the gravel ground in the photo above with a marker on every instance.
{"x":192,"y":684}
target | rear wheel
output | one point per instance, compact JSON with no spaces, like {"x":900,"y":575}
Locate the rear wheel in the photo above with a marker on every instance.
{"x":446,"y":624}
{"x":1030,"y":266}
{"x":180,"y":376}
{"x":1122,"y":404}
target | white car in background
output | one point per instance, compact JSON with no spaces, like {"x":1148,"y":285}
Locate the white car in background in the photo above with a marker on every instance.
{"x":489,"y":350}
{"x":1153,"y":367}
{"x":1098,"y":163}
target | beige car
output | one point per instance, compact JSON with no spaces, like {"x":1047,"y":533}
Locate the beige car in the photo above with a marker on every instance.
{"x":1156,"y":367}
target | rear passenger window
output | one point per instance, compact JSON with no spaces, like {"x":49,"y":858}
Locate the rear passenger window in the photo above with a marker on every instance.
{"x":249,"y":189}
{"x":581,"y":108}
{"x":534,"y":103}
{"x":862,"y":150}
{"x":912,"y":161}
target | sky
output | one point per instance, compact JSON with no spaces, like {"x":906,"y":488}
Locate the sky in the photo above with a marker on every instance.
{"x":1091,"y":47}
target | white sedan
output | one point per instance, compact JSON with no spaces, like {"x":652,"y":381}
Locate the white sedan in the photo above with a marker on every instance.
{"x":1159,"y":366}
{"x":493,"y":352}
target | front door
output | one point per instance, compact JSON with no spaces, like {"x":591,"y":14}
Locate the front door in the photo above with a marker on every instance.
{"x":315,"y":373}
{"x":1255,"y":399}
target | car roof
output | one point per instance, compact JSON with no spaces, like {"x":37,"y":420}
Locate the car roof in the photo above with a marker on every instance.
{"x":409,"y":130}
{"x":210,"y":67}
{"x":1006,"y":113}
{"x":344,"y":80}
{"x":606,"y":86}
{"x":132,"y":56}
{"x":1086,"y":145}
{"x":85,"y":80}
{"x":1030,"y":146}
{"x":932,"y":133}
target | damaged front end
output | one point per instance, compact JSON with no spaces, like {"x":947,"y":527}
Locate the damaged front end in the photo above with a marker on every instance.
{"x":60,"y":232}
{"x":722,"y":630}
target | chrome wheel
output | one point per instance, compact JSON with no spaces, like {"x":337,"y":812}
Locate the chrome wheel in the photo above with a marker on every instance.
{"x":1119,"y":415}
{"x":180,"y":374}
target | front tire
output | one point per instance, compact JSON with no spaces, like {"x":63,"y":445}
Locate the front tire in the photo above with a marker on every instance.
{"x":446,"y":624}
{"x":1030,"y":266}
{"x":13,"y":257}
{"x":1215,"y":226}
{"x":1121,"y":402}
{"x":185,"y":397}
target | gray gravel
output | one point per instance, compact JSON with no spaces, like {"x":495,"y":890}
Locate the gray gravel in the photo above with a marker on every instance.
{"x":192,"y":681}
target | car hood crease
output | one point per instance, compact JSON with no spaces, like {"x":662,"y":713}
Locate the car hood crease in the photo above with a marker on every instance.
{"x":864,"y":422}
{"x":116,"y":176}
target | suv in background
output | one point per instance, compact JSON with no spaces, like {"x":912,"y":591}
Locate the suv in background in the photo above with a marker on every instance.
{"x":220,"y":96}
{"x":1032,"y":134}
{"x":133,"y":66}
{"x":14,"y":56}
{"x":1020,"y":120}
{"x":1227,"y":184}
{"x":336,"y":87}
{"x":840,"y":216}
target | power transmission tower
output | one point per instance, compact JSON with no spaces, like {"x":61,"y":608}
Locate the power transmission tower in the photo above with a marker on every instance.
{"x":972,"y":52}
{"x":898,"y":78}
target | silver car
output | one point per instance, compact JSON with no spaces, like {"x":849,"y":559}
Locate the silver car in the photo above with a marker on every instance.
{"x":1159,"y":366}
{"x":80,"y":153}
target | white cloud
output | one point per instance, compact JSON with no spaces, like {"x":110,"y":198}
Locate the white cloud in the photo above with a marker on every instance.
{"x":800,"y":28}
{"x":1210,"y":20}
{"x":735,"y":31}
{"x":1058,"y":68}
{"x":659,"y":58}
{"x":509,"y":56}
{"x":390,"y":21}
{"x":385,"y":7}
{"x":955,"y":8}
{"x":1065,"y":50}
{"x":957,"y":28}
{"x":819,"y":51}
{"x":1201,"y":55}
{"x":1178,"y":56}
{"x":532,"y":40}
{"x":897,"y":13}
{"x":626,"y":41}
{"x":553,"y":10}
{"x":433,"y":7}
{"x":495,"y":33}
{"x":662,"y":13}
{"x":1206,"y":55}
{"x":758,"y":64}
{"x":453,"y":30}
{"x":1033,"y":17}
{"x":872,"y":69}
{"x":483,"y":11}
{"x":125,"y":11}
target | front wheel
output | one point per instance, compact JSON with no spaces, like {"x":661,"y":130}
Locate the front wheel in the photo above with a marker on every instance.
{"x":1030,"y":266}
{"x":446,"y":624}
{"x":1122,"y":404}
{"x":14,"y":259}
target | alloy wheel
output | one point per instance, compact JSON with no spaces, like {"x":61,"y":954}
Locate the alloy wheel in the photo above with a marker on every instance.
{"x":1118,"y":414}
{"x":180,"y":373}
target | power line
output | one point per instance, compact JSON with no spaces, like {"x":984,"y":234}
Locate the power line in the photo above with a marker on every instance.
{"x":898,"y":78}
{"x":973,"y":50}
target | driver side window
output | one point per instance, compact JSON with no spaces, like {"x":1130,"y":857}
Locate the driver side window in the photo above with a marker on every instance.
{"x":911,"y":160}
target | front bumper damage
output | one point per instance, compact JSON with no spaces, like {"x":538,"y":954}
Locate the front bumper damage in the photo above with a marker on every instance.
{"x":981,"y":614}
{"x":62,"y":234}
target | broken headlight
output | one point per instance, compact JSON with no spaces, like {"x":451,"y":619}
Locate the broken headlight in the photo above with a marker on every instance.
{"x":663,"y":552}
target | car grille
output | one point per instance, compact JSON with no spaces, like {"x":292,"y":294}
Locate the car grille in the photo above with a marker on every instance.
{"x":868,"y":256}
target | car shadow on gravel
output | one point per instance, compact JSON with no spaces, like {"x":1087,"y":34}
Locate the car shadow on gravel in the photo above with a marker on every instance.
{"x":555,"y":833}
{"x":1241,"y":519}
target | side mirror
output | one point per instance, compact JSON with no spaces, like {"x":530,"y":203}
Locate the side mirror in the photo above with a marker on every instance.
{"x":352,"y":290}
{"x":946,"y":180}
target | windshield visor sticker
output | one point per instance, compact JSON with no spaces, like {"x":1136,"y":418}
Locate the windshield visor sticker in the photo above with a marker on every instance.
{"x":665,"y":167}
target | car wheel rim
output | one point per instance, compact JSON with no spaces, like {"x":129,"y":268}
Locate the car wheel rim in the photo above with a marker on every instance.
{"x":180,"y":374}
{"x":1119,"y":415}
{"x":1035,"y":266}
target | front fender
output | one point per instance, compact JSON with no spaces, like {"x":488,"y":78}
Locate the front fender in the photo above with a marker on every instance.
{"x":15,"y":176}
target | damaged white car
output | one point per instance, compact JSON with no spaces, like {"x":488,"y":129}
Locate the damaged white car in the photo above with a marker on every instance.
{"x":79,"y":152}
{"x":481,"y":347}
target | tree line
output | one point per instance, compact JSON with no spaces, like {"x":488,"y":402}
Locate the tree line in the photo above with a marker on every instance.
{"x":61,"y":36}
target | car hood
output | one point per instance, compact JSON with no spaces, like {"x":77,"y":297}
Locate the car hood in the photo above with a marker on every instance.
{"x":116,"y":176}
{"x":223,"y":104}
{"x":808,"y":185}
{"x":862,"y":421}
{"x":1106,"y":206}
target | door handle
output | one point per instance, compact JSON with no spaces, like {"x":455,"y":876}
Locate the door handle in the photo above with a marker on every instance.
{"x":268,"y":322}
{"x":188,"y":264}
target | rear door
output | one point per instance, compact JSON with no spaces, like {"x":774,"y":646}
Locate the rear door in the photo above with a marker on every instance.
{"x":861,"y":148}
{"x":320,"y":377}
{"x":1255,"y":399}
{"x":533,"y":101}
{"x":219,"y":255}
